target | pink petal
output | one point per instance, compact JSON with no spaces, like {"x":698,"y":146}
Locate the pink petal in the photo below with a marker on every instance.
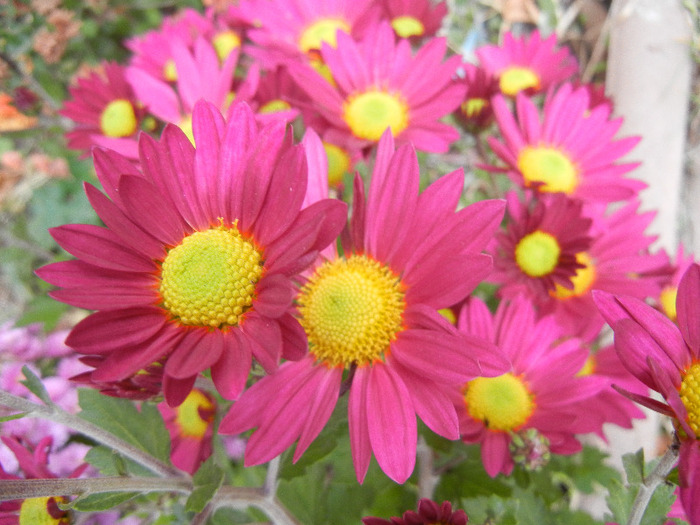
{"x":357,"y":418}
{"x":231,"y":371}
{"x":495,"y":454}
{"x":293,"y":338}
{"x":274,"y":295}
{"x":198,"y":350}
{"x":265,"y":337}
{"x":177,"y":390}
{"x":688,"y":308}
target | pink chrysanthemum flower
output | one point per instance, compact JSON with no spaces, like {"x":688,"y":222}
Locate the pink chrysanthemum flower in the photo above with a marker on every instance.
{"x":541,"y":391}
{"x":662,"y":355}
{"x":191,"y":427}
{"x":380,"y":84}
{"x":292,"y":30}
{"x":276,"y":96}
{"x":527,"y":65}
{"x":106,"y":112}
{"x":373,"y":314}
{"x":196,"y":261}
{"x":429,"y":513}
{"x":414,"y":18}
{"x":538,"y":249}
{"x":568,"y":149}
{"x":475,"y":112}
{"x":667,"y":298}
{"x":202,"y":77}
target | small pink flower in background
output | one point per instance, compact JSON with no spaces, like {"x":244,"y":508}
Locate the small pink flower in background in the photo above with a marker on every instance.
{"x":277,"y":96}
{"x":414,"y":18}
{"x":195,"y":266}
{"x":372,"y":314}
{"x":475,"y":113}
{"x":667,"y":297}
{"x":565,"y":148}
{"x":191,"y":427}
{"x":428,"y":513}
{"x":106,"y":112}
{"x":541,"y":390}
{"x":662,"y":355}
{"x":529,"y":64}
{"x":293,"y":30}
{"x":378,"y":84}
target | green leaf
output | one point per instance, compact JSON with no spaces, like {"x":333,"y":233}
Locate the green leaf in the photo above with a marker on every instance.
{"x":102,"y":501}
{"x":659,"y":505}
{"x":144,"y":429}
{"x":634,"y":466}
{"x":207,"y":481}
{"x":110,"y":463}
{"x":34,"y":385}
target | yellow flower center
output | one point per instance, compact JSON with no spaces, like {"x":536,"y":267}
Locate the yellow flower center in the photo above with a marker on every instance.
{"x":189,"y":418}
{"x":209,"y":278}
{"x":502,"y":403}
{"x":338,"y":163}
{"x":351,"y":310}
{"x":369,"y":114}
{"x":186,"y":126}
{"x":448,"y":314}
{"x":118,"y":119}
{"x":588,"y":368}
{"x":407,"y":26}
{"x":323,"y":30}
{"x":225,"y":42}
{"x":549,"y":167}
{"x":473,"y":106}
{"x":274,"y":106}
{"x":322,"y":69}
{"x":35,"y":511}
{"x":537,"y":254}
{"x":583,"y":279}
{"x":690,"y":396}
{"x":169,"y":70}
{"x":668,"y":301}
{"x":515,"y":79}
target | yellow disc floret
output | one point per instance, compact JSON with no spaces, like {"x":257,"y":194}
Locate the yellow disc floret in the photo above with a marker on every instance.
{"x":502,"y":403}
{"x":582,"y":280}
{"x":338,"y":163}
{"x":170,"y":70}
{"x":537,"y":254}
{"x":515,"y":79}
{"x":668,"y":301}
{"x":35,"y":511}
{"x":690,"y":396}
{"x":274,"y":106}
{"x":118,"y":119}
{"x":407,"y":26}
{"x":189,"y":415}
{"x":323,"y":30}
{"x":225,"y":42}
{"x":209,"y":278}
{"x":351,"y":310}
{"x":368,"y":114}
{"x":549,"y":168}
{"x":473,"y":107}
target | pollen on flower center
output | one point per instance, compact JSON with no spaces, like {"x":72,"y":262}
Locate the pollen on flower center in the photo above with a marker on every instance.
{"x":323,"y":30}
{"x":118,"y":119}
{"x":225,"y":42}
{"x":668,"y":301}
{"x":582,"y":280}
{"x":690,"y":395}
{"x":549,"y":168}
{"x":338,"y":163}
{"x":189,"y":414}
{"x":273,"y":106}
{"x":502,"y":403}
{"x":368,"y":114}
{"x":170,"y":70}
{"x":407,"y":26}
{"x":537,"y":254}
{"x":515,"y":79}
{"x":351,"y":310}
{"x":43,"y":511}
{"x":209,"y":278}
{"x":473,"y":106}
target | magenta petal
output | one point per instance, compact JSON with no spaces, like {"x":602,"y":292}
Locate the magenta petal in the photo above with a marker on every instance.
{"x":391,"y":423}
{"x":265,"y":338}
{"x":101,"y":247}
{"x":75,"y":273}
{"x":106,"y":297}
{"x":688,"y":308}
{"x":103,"y":332}
{"x":109,"y":166}
{"x":357,"y":418}
{"x":633,"y":346}
{"x":231,"y":371}
{"x":495,"y":454}
{"x":295,"y":344}
{"x":177,"y":390}
{"x":198,"y":350}
{"x":275,"y":294}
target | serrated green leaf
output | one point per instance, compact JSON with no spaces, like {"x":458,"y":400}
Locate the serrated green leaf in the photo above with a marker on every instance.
{"x":659,"y":505}
{"x":34,"y":385}
{"x":634,"y":466}
{"x":102,"y":501}
{"x":206,"y":481}
{"x":144,"y":429}
{"x":620,"y":499}
{"x":110,"y":463}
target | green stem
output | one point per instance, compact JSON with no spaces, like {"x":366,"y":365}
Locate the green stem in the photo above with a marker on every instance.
{"x":58,"y":415}
{"x":243,"y":497}
{"x":651,"y":482}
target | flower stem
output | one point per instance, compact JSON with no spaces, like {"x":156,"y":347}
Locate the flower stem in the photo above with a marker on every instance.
{"x":651,"y":482}
{"x":35,"y":488}
{"x":58,"y":415}
{"x":243,"y":497}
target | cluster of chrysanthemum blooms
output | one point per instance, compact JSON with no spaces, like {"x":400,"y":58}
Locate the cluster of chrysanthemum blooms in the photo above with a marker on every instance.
{"x":219,"y":245}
